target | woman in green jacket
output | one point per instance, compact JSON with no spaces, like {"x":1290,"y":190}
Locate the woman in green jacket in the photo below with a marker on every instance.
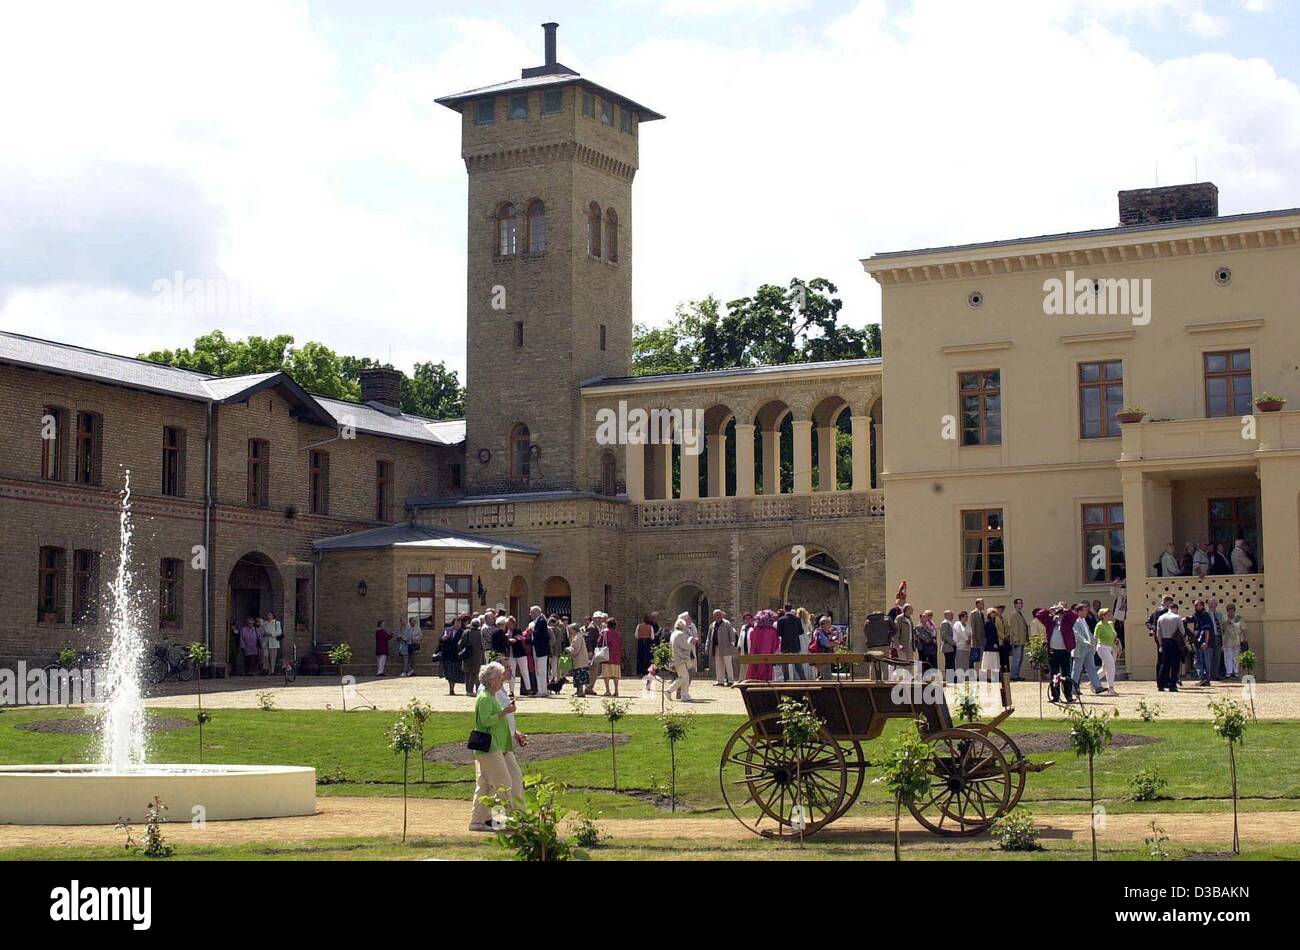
{"x":1107,"y":647}
{"x":495,"y":770}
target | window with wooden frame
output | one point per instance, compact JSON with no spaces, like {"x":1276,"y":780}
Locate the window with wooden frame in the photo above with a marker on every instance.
{"x":1103,"y":542}
{"x":169,"y":593}
{"x":53,"y":420}
{"x":456,"y":592}
{"x":608,"y":473}
{"x":1234,"y":519}
{"x":419,"y":599}
{"x":507,"y":231}
{"x":85,"y":586}
{"x":552,"y":101}
{"x":173,"y":461}
{"x":90,"y":447}
{"x":593,"y":229}
{"x":259,"y":473}
{"x":521,"y":453}
{"x":320,"y":482}
{"x":981,"y":407}
{"x":485,"y":112}
{"x":519,"y":105}
{"x":982,"y":547}
{"x":536,"y":227}
{"x":454,"y":476}
{"x":383,"y":490}
{"x":1227,"y":383}
{"x":1101,"y":396}
{"x":50,"y":585}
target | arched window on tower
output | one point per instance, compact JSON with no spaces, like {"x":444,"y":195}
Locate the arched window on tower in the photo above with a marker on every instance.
{"x":507,"y":231}
{"x":521,"y":453}
{"x":536,"y":227}
{"x":611,"y":234}
{"x":593,"y":229}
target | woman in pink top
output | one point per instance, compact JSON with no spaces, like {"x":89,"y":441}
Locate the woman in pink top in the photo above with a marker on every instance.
{"x":763,"y":639}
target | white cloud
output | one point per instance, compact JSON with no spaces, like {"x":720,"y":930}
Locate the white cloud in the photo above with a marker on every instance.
{"x":339,"y":202}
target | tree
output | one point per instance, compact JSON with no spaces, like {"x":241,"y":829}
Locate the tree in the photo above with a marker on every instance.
{"x":798,"y":323}
{"x":614,"y":711}
{"x":404,"y":736}
{"x":419,"y":713}
{"x":1089,"y":735}
{"x":1230,"y":725}
{"x":199,"y":656}
{"x":675,"y":728}
{"x":432,"y":390}
{"x":906,"y":772}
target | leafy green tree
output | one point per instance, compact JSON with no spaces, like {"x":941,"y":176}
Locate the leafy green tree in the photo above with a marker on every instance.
{"x":1230,"y":725}
{"x":404,"y":737}
{"x":1090,"y":734}
{"x":433,"y":391}
{"x":905,"y":771}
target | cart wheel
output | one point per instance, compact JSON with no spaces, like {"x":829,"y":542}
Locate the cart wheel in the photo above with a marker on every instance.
{"x":1015,"y":761}
{"x":759,"y":772}
{"x":970,"y":784}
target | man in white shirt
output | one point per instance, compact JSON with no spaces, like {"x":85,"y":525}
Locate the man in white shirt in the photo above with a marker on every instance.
{"x":1169,"y":638}
{"x":274,"y":631}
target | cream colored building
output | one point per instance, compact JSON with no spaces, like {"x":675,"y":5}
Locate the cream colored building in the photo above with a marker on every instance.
{"x":1006,"y":473}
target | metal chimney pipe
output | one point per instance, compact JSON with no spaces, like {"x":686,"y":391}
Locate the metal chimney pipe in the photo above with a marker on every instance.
{"x":550,"y":29}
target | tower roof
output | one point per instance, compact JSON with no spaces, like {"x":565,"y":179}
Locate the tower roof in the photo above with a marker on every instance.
{"x":547,"y":76}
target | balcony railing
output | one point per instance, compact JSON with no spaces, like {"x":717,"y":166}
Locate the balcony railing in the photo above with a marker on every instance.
{"x":1244,"y":590}
{"x":1204,"y":438}
{"x":759,"y":509}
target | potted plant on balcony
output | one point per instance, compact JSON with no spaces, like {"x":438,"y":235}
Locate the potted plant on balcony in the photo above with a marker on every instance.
{"x":1267,"y":402}
{"x":1131,"y":414}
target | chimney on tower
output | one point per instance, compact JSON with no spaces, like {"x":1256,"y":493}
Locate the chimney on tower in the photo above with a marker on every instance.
{"x":550,"y":29}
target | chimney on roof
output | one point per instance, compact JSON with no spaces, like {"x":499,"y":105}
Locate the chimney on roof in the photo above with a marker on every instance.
{"x":382,"y":385}
{"x":1171,"y":203}
{"x":550,"y":29}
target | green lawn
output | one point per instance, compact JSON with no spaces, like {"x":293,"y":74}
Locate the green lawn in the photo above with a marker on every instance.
{"x":352,"y":747}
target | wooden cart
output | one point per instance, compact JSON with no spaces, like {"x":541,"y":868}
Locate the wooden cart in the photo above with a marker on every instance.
{"x":978,"y":773}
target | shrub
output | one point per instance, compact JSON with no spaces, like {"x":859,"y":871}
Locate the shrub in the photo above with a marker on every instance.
{"x":968,"y":704}
{"x":531,"y":831}
{"x":1148,"y":713}
{"x":266,"y":700}
{"x":1157,"y":843}
{"x":1147,"y":786}
{"x":587,"y":834}
{"x":905,"y":771}
{"x":1015,"y":831}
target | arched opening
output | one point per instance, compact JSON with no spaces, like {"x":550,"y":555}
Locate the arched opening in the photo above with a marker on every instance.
{"x":507,"y":231}
{"x":536,"y":227}
{"x":877,"y":450}
{"x":811,"y":578}
{"x":593,"y":229}
{"x":832,"y":445}
{"x":557,"y":597}
{"x":519,"y":599}
{"x":718,"y":460}
{"x":689,"y":598}
{"x":773,"y":449}
{"x":255,"y":588}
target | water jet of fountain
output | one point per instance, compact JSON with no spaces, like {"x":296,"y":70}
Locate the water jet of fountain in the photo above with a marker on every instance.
{"x":123,"y":742}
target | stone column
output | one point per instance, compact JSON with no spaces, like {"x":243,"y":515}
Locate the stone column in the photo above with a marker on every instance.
{"x":744,"y":461}
{"x":827,"y":460}
{"x":634,"y":459}
{"x":717,"y":465}
{"x":771,"y":461}
{"x":861,"y":452}
{"x":691,"y":464}
{"x":1140,"y":655}
{"x":663,"y":471}
{"x":802,"y":456}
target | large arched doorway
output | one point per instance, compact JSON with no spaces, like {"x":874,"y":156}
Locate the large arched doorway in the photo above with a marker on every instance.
{"x":805,"y":576}
{"x":255,"y":588}
{"x":557,"y":597}
{"x":689,"y":598}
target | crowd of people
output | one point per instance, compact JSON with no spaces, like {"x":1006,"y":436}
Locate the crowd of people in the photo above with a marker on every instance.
{"x":1206,"y":558}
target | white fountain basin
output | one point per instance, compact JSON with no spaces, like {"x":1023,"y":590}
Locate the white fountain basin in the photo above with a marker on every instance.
{"x":95,"y":795}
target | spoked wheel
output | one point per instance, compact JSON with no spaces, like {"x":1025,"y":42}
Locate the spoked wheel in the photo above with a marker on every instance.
{"x":1015,"y":761}
{"x":158,"y":670}
{"x":760,"y":773}
{"x":185,"y":671}
{"x":857,"y":776}
{"x":970,"y":784}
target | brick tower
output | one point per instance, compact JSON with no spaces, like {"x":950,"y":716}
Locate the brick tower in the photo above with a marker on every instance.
{"x":550,"y":157}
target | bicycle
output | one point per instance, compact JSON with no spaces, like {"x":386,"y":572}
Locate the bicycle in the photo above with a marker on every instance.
{"x":170,"y":660}
{"x":290,"y":667}
{"x":82,"y":661}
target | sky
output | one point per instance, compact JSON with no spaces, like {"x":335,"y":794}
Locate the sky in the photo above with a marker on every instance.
{"x":289,"y":155}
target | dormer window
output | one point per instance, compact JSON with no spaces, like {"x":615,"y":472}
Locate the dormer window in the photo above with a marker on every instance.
{"x":552,"y":100}
{"x":485,"y":112}
{"x":519,"y":105}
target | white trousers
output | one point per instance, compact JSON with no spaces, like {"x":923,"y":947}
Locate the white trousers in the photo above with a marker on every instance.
{"x":381,"y":661}
{"x":1230,"y":660}
{"x":683,"y":682}
{"x":540,"y":663}
{"x":519,"y":665}
{"x":724,"y":668}
{"x":1107,"y":655}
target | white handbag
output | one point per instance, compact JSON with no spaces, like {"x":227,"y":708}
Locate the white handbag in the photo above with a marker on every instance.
{"x":601,"y":655}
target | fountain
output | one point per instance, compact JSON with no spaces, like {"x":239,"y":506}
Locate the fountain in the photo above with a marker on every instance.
{"x":123,"y":783}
